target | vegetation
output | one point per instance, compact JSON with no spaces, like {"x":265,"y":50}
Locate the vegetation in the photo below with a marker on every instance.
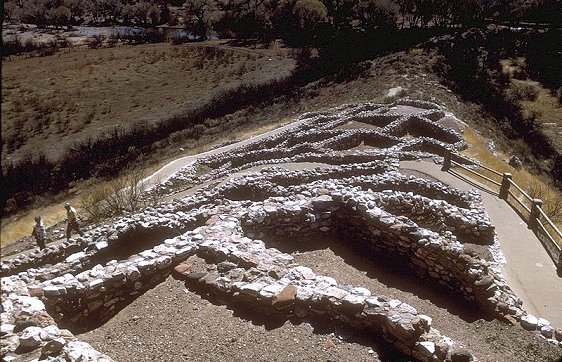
{"x":115,"y":197}
{"x":471,"y":64}
{"x":69,"y":137}
{"x":329,"y":38}
{"x":305,"y":21}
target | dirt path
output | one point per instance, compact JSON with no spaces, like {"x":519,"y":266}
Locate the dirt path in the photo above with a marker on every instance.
{"x":528,"y":268}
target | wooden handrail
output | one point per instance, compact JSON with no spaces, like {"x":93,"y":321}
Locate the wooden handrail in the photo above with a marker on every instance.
{"x":535,"y":210}
{"x":543,"y":228}
{"x":527,"y":208}
{"x":521,"y":190}
{"x":550,"y":222}
{"x":476,"y":173}
{"x":490,"y":169}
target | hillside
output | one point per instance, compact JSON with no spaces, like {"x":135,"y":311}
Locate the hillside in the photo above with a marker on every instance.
{"x":312,"y":241}
{"x":320,"y":226}
{"x":411,"y":72}
{"x":51,"y":103}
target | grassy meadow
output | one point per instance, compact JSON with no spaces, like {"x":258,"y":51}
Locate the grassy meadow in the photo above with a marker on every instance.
{"x":49,"y":103}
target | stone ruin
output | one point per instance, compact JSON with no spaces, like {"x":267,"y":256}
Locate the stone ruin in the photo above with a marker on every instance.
{"x":344,"y":180}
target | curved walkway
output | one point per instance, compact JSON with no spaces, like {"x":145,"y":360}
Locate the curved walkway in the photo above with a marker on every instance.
{"x":168,"y":170}
{"x":529,"y":269}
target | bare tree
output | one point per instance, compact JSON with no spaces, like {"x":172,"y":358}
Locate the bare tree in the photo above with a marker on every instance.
{"x":125,"y":194}
{"x":197,"y":17}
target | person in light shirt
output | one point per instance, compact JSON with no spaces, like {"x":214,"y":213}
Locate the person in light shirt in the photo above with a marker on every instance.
{"x":72,"y":219}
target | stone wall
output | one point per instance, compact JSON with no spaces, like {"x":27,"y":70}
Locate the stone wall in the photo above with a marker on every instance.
{"x":359,"y":195}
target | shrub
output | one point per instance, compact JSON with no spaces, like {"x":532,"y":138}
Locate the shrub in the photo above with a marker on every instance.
{"x":96,"y":41}
{"x":124,"y":194}
{"x":523,"y":92}
{"x":552,"y":200}
{"x":520,"y":74}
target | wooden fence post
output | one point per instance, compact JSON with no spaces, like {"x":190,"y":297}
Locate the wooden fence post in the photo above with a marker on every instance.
{"x":535,"y":214}
{"x":504,"y":188}
{"x":447,"y":161}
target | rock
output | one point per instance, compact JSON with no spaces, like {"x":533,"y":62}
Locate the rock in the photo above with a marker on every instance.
{"x":461,"y":355}
{"x":426,"y":348}
{"x":441,"y":350}
{"x":9,"y":344}
{"x":425,"y":321}
{"x":6,"y":328}
{"x":306,"y":273}
{"x":515,"y":162}
{"x":196,"y":275}
{"x":547,"y":331}
{"x":31,"y":338}
{"x":80,"y":352}
{"x":252,"y":289}
{"x":225,"y":266}
{"x":529,"y":322}
{"x":53,"y":347}
{"x":54,"y":290}
{"x":558,"y":334}
{"x":20,"y":325}
{"x":288,"y":294}
{"x":179,"y":272}
{"x":329,"y":344}
{"x":74,"y":257}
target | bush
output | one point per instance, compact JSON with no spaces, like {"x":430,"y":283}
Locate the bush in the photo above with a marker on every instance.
{"x":15,"y":46}
{"x":523,"y":92}
{"x":96,"y":41}
{"x":118,"y":196}
{"x":520,"y":74}
{"x":552,"y":200}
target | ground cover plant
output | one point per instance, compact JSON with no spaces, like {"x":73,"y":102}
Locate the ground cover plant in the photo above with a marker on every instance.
{"x":85,"y":93}
{"x":127,"y":90}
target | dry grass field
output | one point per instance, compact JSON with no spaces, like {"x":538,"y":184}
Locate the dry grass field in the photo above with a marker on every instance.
{"x":49,"y":103}
{"x":536,"y":101}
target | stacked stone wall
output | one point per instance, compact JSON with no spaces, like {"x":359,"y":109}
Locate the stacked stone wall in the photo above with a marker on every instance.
{"x":232,"y":224}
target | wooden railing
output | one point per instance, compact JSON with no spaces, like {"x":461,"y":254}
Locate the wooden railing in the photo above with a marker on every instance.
{"x":531,"y":210}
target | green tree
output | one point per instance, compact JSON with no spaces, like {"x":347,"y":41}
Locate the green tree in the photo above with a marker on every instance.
{"x":340,"y":13}
{"x":60,"y":16}
{"x":10,"y":8}
{"x":246,"y":19}
{"x":310,"y":13}
{"x":33,"y":12}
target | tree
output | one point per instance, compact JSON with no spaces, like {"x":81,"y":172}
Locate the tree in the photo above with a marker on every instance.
{"x":34,"y":12}
{"x":197,"y":17}
{"x":10,"y":8}
{"x":340,"y":13}
{"x":375,"y":14}
{"x":246,"y":19}
{"x":309,"y":13}
{"x":60,"y":16}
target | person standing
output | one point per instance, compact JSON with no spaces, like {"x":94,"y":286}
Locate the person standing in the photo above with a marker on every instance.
{"x":72,"y":220}
{"x":39,"y":232}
